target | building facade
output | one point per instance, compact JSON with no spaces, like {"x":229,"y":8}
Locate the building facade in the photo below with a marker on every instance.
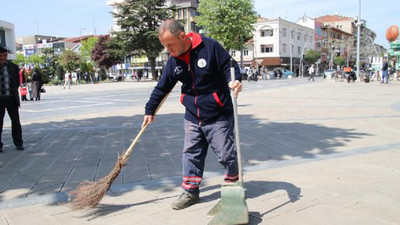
{"x":341,"y":33}
{"x":7,"y":38}
{"x":278,"y":43}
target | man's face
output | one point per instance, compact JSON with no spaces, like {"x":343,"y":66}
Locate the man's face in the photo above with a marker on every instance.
{"x":174,"y":44}
{"x":3,"y":57}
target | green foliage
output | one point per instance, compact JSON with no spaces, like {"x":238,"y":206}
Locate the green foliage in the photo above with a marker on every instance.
{"x":87,"y":48}
{"x":36,"y":60}
{"x":60,"y":72}
{"x":70,"y":60}
{"x":312,"y":56}
{"x":49,"y":65}
{"x":101,"y":55}
{"x":228,"y":21}
{"x":339,"y":61}
{"x":83,"y":67}
{"x":89,"y":68}
{"x":139,"y":20}
{"x":103,"y":74}
{"x":19,"y":59}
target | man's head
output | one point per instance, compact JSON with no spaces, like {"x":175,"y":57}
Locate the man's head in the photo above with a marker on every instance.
{"x":172,"y":36}
{"x":3,"y":55}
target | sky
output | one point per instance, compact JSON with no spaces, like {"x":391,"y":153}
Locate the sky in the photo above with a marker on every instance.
{"x":71,"y":18}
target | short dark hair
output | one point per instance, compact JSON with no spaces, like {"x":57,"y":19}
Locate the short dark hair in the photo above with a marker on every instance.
{"x":2,"y":49}
{"x":171,"y":25}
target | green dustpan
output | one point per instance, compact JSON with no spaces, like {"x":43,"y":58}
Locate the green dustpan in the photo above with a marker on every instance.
{"x":232,"y":208}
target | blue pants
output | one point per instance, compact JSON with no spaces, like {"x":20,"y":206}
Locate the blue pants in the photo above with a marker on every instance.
{"x":220,"y":137}
{"x":385,"y":77}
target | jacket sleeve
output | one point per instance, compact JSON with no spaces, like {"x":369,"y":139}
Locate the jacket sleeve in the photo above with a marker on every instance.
{"x":163,"y":87}
{"x":223,"y":59}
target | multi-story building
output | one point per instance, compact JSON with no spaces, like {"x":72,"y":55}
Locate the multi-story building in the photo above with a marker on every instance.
{"x":114,"y":4}
{"x":342,"y":31}
{"x":186,"y":10}
{"x":279,"y":43}
{"x":7,"y":37}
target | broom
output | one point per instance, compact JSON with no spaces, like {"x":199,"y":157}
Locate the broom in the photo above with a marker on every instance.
{"x":88,"y":194}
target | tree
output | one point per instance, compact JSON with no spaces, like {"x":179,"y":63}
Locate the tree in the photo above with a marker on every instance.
{"x":36,"y":60}
{"x":19,"y":59}
{"x":102,"y":53}
{"x":87,"y":48}
{"x":312,"y":56}
{"x":339,"y":61}
{"x":60,"y":72}
{"x":228,"y":21}
{"x":49,"y":65}
{"x":139,"y":20}
{"x":70,"y":61}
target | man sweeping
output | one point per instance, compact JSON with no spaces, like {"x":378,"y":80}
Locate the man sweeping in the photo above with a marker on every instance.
{"x":203,"y":67}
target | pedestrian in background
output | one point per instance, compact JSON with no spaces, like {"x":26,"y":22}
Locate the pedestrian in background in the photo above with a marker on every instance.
{"x":9,"y":98}
{"x":385,"y":75}
{"x":22,"y":82}
{"x":311,"y":72}
{"x":67,"y":80}
{"x":202,"y":65}
{"x":36,"y":84}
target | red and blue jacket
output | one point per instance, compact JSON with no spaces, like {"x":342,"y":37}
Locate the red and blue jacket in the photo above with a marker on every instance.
{"x":204,"y":72}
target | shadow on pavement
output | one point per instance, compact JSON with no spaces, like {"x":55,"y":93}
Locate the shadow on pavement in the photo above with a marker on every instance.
{"x":59,"y":155}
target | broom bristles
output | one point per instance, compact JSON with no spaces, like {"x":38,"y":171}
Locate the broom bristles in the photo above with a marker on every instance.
{"x":88,"y":194}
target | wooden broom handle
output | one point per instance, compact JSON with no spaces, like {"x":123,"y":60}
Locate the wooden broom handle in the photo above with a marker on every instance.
{"x":134,"y":142}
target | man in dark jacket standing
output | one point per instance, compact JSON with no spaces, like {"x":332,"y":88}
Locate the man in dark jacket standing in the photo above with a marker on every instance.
{"x":202,"y":65}
{"x":9,"y":98}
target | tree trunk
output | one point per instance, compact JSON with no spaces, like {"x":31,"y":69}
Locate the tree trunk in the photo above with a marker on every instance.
{"x":152,"y":61}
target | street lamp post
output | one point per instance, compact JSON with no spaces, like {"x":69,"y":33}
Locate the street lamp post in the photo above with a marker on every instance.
{"x":359,"y":22}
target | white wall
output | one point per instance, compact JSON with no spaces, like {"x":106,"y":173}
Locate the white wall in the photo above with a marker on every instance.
{"x":9,"y":37}
{"x":279,"y":39}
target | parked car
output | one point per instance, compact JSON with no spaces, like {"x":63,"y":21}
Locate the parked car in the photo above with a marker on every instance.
{"x":282,"y":73}
{"x":329,"y":73}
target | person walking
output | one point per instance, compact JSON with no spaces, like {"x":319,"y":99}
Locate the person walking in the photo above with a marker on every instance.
{"x":22,"y":82}
{"x":202,"y":65}
{"x":385,"y":75}
{"x":36,"y":84}
{"x":67,"y":80}
{"x":311,"y":72}
{"x":9,"y":98}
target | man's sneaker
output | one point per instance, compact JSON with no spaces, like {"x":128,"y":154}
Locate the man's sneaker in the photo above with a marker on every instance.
{"x":20,"y":147}
{"x":185,"y":200}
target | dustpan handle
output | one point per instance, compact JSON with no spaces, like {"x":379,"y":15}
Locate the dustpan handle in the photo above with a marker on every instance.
{"x":236,"y":121}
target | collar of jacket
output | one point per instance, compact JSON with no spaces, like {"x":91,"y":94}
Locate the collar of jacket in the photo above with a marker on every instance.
{"x":196,"y":41}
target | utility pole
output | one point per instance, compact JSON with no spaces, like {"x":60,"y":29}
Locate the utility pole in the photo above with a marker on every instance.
{"x":290,"y":46}
{"x":359,"y":22}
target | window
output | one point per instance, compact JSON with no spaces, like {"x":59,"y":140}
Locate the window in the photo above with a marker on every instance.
{"x":284,"y":48}
{"x":298,"y":50}
{"x":267,"y":48}
{"x":266,"y":33}
{"x":283,"y":32}
{"x":292,"y":34}
{"x":305,"y":37}
{"x":298,"y":36}
{"x":245,"y":52}
{"x":184,"y":13}
{"x":233,"y":53}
